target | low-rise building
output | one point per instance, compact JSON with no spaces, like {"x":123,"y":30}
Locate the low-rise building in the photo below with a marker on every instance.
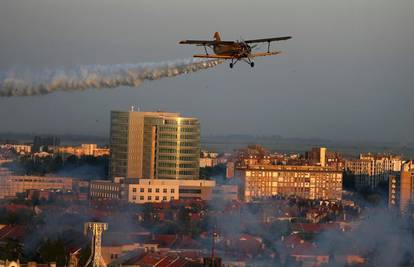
{"x":227,"y":192}
{"x":152,"y":190}
{"x":208,"y":162}
{"x":20,"y":149}
{"x":208,"y":159}
{"x":83,"y":150}
{"x":158,"y":190}
{"x":11,"y":185}
{"x":105,"y":189}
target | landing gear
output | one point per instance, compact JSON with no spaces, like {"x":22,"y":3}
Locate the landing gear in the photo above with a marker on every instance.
{"x":234,"y":61}
{"x":249,"y":61}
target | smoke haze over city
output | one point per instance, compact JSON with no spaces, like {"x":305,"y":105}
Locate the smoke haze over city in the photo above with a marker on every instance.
{"x":130,"y":137}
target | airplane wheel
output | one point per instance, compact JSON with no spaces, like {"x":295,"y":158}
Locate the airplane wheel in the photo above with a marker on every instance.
{"x":231,"y":65}
{"x":252,"y":64}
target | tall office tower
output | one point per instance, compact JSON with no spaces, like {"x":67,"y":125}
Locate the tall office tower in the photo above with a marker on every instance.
{"x":154,"y":145}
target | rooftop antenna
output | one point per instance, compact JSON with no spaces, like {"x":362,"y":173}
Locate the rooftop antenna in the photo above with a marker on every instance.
{"x":96,"y":228}
{"x":132,"y":108}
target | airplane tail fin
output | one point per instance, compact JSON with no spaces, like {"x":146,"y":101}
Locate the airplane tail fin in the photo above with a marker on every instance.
{"x":217,"y":36}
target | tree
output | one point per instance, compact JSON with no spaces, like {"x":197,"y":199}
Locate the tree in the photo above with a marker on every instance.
{"x":56,"y":164}
{"x":85,"y":253}
{"x":11,"y":250}
{"x":53,"y":251}
{"x":349,"y":180}
{"x":217,"y":171}
{"x":19,"y":217}
{"x":183,"y":216}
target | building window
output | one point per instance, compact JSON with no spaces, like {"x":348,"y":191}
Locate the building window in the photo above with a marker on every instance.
{"x":141,"y":190}
{"x":157,"y":190}
{"x":190,"y":191}
{"x":164,"y":190}
{"x":141,"y":197}
{"x":164,"y":198}
{"x":149,"y":190}
{"x":134,"y":190}
{"x":172,"y":191}
{"x":157,"y":198}
{"x":134,"y":198}
{"x":171,"y":198}
{"x":149,"y":198}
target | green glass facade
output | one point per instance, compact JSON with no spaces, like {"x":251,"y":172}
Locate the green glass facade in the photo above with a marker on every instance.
{"x":160,"y":145}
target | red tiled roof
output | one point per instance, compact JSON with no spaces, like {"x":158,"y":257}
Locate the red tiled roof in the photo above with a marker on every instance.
{"x":164,"y":240}
{"x":187,"y":242}
{"x":313,"y":227}
{"x":297,"y":245}
{"x":244,"y":243}
{"x":9,"y":231}
{"x":150,"y":259}
{"x":179,"y":262}
{"x":161,"y":260}
{"x":15,"y":207}
{"x":195,"y":217}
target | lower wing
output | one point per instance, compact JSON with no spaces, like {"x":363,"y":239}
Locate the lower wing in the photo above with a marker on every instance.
{"x":261,"y":54}
{"x":264,"y":54}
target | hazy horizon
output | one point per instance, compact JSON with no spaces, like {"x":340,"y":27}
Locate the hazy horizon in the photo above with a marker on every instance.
{"x":345,"y":75}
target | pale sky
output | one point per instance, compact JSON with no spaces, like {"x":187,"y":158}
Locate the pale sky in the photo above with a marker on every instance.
{"x":348,"y":72}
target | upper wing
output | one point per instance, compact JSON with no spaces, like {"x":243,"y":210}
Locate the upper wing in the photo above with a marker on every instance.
{"x":264,"y":40}
{"x":204,"y":42}
{"x":214,"y":56}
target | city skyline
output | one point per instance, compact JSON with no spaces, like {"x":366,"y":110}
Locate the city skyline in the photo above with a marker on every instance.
{"x":119,"y":146}
{"x":346,"y":74}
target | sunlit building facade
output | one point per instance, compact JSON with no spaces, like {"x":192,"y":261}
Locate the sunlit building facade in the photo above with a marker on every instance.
{"x":308,"y":182}
{"x":154,"y":145}
{"x":83,"y":150}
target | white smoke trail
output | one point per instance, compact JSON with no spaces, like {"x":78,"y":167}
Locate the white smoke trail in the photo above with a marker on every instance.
{"x":95,"y":76}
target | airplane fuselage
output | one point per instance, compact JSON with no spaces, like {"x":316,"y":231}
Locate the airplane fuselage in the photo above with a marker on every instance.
{"x":236,"y":49}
